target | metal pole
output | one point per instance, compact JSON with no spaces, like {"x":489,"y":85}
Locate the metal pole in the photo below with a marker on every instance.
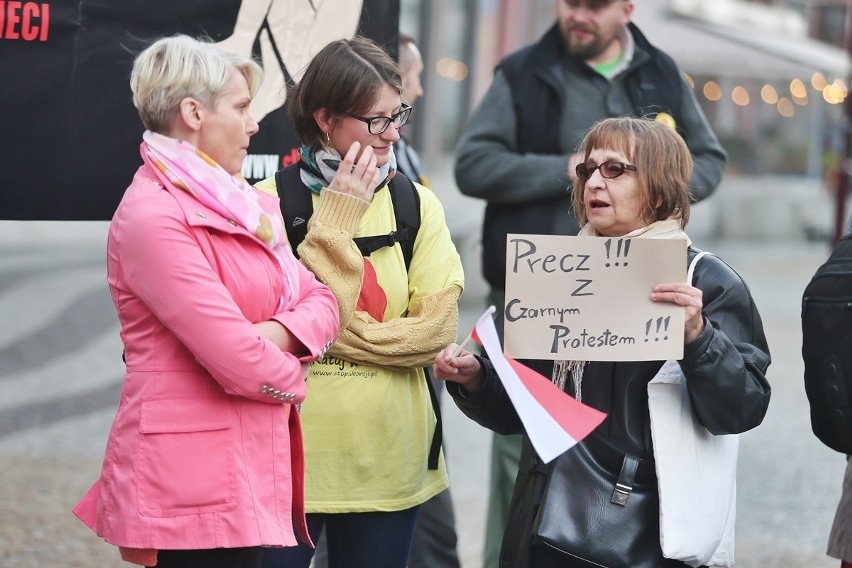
{"x":471,"y":17}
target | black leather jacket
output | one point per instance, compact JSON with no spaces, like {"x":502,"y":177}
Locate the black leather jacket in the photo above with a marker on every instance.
{"x":725,"y":373}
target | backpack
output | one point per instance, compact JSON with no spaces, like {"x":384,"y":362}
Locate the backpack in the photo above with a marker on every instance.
{"x":827,"y":348}
{"x":297,"y":206}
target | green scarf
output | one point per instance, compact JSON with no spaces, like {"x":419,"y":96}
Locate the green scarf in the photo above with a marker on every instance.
{"x":320,"y":166}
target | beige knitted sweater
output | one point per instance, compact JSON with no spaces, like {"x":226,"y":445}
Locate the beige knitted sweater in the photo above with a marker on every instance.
{"x":401,"y":343}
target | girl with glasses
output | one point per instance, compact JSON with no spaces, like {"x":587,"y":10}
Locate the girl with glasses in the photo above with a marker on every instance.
{"x":368,"y":419}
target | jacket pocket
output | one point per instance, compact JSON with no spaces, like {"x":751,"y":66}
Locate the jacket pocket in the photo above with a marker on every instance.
{"x":186,"y":457}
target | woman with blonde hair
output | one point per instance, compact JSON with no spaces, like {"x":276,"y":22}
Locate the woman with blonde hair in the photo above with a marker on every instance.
{"x":219,"y":321}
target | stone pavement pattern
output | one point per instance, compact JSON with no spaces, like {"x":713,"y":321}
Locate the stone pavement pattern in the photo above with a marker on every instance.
{"x":60,"y":372}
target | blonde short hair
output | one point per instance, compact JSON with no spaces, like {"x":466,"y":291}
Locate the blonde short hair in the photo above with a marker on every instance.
{"x":177,"y":67}
{"x":662,"y":159}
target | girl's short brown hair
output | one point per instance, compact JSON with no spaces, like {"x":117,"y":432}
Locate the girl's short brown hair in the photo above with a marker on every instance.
{"x":346,"y":76}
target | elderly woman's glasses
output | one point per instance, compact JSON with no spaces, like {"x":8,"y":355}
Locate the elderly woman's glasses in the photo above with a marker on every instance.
{"x":609,"y":169}
{"x":378,"y":124}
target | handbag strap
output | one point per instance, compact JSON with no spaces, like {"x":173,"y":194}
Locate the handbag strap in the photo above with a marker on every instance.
{"x":624,"y":484}
{"x":692,"y":265}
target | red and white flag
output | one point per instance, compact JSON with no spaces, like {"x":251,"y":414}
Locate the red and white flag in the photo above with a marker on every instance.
{"x":553,"y":420}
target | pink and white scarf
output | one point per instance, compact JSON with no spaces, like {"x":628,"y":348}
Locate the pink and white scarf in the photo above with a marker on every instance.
{"x":192,"y":170}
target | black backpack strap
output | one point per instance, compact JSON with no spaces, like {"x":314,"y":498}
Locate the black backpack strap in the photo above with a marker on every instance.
{"x":406,"y":211}
{"x":296,"y":204}
{"x":438,"y":434}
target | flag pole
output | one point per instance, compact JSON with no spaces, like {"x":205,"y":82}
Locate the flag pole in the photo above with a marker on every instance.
{"x":462,"y":346}
{"x":491,"y":310}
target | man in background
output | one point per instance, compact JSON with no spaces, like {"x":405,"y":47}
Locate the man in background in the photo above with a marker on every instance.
{"x":518,"y":151}
{"x":411,"y":65}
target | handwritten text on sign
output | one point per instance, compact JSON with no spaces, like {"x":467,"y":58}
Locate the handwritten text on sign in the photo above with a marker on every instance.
{"x":588,"y":298}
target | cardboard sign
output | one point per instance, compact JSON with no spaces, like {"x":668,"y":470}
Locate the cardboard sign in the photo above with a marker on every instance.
{"x":588,"y":298}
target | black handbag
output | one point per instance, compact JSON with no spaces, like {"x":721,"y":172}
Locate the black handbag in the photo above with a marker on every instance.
{"x":600,"y":508}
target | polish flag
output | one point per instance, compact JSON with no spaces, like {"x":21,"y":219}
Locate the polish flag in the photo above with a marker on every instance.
{"x":553,"y":420}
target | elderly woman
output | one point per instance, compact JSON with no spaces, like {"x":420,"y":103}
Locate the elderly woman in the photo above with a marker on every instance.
{"x":632,"y":183}
{"x":219,"y":321}
{"x":371,"y":448}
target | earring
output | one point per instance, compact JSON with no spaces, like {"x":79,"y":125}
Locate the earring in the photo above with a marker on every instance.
{"x":327,"y":139}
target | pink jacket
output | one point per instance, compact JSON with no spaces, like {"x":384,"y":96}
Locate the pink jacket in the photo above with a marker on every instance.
{"x":206,"y":447}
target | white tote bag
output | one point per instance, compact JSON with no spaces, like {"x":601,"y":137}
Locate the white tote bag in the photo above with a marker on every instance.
{"x":696,"y":472}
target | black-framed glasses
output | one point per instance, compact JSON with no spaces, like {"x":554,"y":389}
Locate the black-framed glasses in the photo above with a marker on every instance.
{"x":378,"y":124}
{"x":609,"y":169}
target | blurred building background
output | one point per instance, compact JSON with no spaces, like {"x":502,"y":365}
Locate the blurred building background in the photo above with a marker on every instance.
{"x":771,"y":75}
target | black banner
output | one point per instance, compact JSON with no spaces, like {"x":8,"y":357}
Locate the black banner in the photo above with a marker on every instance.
{"x":69,"y":134}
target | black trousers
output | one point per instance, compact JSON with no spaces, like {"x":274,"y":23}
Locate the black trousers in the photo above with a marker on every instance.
{"x":249,"y":557}
{"x":435,"y":539}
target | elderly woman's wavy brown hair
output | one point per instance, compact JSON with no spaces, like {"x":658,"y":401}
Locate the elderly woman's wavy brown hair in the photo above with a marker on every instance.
{"x":662,"y":159}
